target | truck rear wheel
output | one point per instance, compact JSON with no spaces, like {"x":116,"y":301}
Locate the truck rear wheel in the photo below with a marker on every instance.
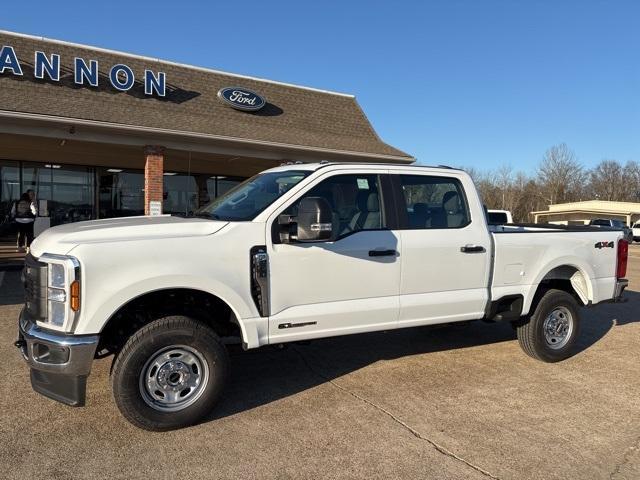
{"x":550,"y":333}
{"x":169,"y":374}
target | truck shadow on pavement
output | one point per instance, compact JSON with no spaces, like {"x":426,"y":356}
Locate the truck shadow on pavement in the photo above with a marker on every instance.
{"x":628,"y":312}
{"x":269,"y":374}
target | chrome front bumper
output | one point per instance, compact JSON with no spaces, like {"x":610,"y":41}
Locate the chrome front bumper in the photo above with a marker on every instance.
{"x":59,"y":363}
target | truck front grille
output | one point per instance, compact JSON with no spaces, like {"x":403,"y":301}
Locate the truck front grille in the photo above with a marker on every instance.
{"x":35,"y":288}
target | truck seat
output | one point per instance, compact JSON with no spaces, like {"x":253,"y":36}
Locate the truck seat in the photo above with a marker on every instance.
{"x":418,"y":219}
{"x":368,"y":215}
{"x":452,"y":207}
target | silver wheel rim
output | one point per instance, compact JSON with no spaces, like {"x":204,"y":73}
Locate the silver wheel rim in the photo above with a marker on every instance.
{"x":558,"y":327}
{"x":173,"y":378}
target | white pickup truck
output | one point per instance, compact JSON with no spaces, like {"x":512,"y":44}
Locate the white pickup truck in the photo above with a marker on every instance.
{"x":298,"y":252}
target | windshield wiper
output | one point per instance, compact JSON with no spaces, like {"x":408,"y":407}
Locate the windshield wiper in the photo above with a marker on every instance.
{"x":210,"y":216}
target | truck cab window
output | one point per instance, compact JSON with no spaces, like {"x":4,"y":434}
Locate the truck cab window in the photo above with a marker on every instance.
{"x":434,"y":202}
{"x":354,"y":200}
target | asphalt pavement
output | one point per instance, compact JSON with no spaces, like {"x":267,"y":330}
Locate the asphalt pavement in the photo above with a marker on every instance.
{"x":456,"y":402}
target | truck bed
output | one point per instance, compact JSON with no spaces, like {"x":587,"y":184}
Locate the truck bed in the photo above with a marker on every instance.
{"x":585,"y":256}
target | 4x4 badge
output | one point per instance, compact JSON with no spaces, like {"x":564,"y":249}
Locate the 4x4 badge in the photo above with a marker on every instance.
{"x":600,"y":245}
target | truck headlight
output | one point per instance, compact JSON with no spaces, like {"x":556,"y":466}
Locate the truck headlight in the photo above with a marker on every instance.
{"x":63,"y":291}
{"x":57,"y":275}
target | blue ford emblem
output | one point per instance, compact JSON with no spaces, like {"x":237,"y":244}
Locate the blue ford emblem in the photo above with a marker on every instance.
{"x":241,"y":98}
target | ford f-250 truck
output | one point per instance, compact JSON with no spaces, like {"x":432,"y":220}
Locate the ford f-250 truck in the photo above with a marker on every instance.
{"x":298,"y":252}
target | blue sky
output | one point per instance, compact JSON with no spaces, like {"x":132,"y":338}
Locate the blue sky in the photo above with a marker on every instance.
{"x":480,"y":83}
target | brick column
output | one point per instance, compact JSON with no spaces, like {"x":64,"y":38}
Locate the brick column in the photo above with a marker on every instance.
{"x":153,"y":175}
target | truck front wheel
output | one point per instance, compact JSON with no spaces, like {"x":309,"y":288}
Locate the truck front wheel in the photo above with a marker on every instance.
{"x":169,"y":374}
{"x":550,"y":333}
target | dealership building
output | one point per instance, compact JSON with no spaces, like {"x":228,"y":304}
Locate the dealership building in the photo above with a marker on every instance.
{"x":100,"y":134}
{"x":581,"y":213}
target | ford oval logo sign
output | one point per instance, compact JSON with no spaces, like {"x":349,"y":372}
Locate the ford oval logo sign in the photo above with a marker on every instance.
{"x":241,"y":98}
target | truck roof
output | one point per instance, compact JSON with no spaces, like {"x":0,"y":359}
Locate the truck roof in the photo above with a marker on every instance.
{"x":320,"y":165}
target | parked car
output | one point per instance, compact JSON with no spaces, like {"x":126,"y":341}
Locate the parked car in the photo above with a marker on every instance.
{"x":499,"y":217}
{"x":618,"y":224}
{"x":295,"y":253}
{"x":636,"y":232}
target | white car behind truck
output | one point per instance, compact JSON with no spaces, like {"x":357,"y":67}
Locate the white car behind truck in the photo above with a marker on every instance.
{"x":298,"y":252}
{"x":636,"y":232}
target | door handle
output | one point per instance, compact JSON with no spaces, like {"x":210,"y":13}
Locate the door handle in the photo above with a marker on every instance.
{"x":472,"y":249}
{"x":382,"y":253}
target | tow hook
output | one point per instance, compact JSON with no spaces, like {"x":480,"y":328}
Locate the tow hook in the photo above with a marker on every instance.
{"x":22,"y":345}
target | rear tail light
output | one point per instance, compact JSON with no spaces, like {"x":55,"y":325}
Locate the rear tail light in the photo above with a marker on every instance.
{"x":623,"y":254}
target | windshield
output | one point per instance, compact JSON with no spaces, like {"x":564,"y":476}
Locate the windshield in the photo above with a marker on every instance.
{"x":252,"y":196}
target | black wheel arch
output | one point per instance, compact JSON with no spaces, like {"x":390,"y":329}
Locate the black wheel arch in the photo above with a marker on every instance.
{"x":144,"y":309}
{"x":559,"y":278}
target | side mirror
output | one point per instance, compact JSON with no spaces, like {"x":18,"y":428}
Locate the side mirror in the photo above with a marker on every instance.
{"x":315,"y":220}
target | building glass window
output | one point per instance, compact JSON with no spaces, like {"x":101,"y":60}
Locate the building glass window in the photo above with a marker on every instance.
{"x":180,"y":193}
{"x":64,"y":193}
{"x":211,"y":187}
{"x":121,"y":193}
{"x":37,"y":177}
{"x":184,"y":194}
{"x":9,"y":186}
{"x":9,"y":193}
{"x":208,"y":193}
{"x":70,"y":193}
{"x":216,"y":186}
{"x":224,"y":184}
{"x":73,"y":195}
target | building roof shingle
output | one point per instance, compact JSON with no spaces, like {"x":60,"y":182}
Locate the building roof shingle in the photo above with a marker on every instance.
{"x":295,"y":116}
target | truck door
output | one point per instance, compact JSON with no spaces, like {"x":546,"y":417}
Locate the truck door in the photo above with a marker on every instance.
{"x":446,"y":250}
{"x":347,"y":285}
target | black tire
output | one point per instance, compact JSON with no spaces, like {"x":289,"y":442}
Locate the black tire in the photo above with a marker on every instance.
{"x":158,"y":342}
{"x":531,"y":329}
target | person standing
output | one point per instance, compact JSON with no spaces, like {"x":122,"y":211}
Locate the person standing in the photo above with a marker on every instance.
{"x":24,"y":212}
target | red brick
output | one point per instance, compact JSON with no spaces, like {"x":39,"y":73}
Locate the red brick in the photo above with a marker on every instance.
{"x":153,"y":175}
